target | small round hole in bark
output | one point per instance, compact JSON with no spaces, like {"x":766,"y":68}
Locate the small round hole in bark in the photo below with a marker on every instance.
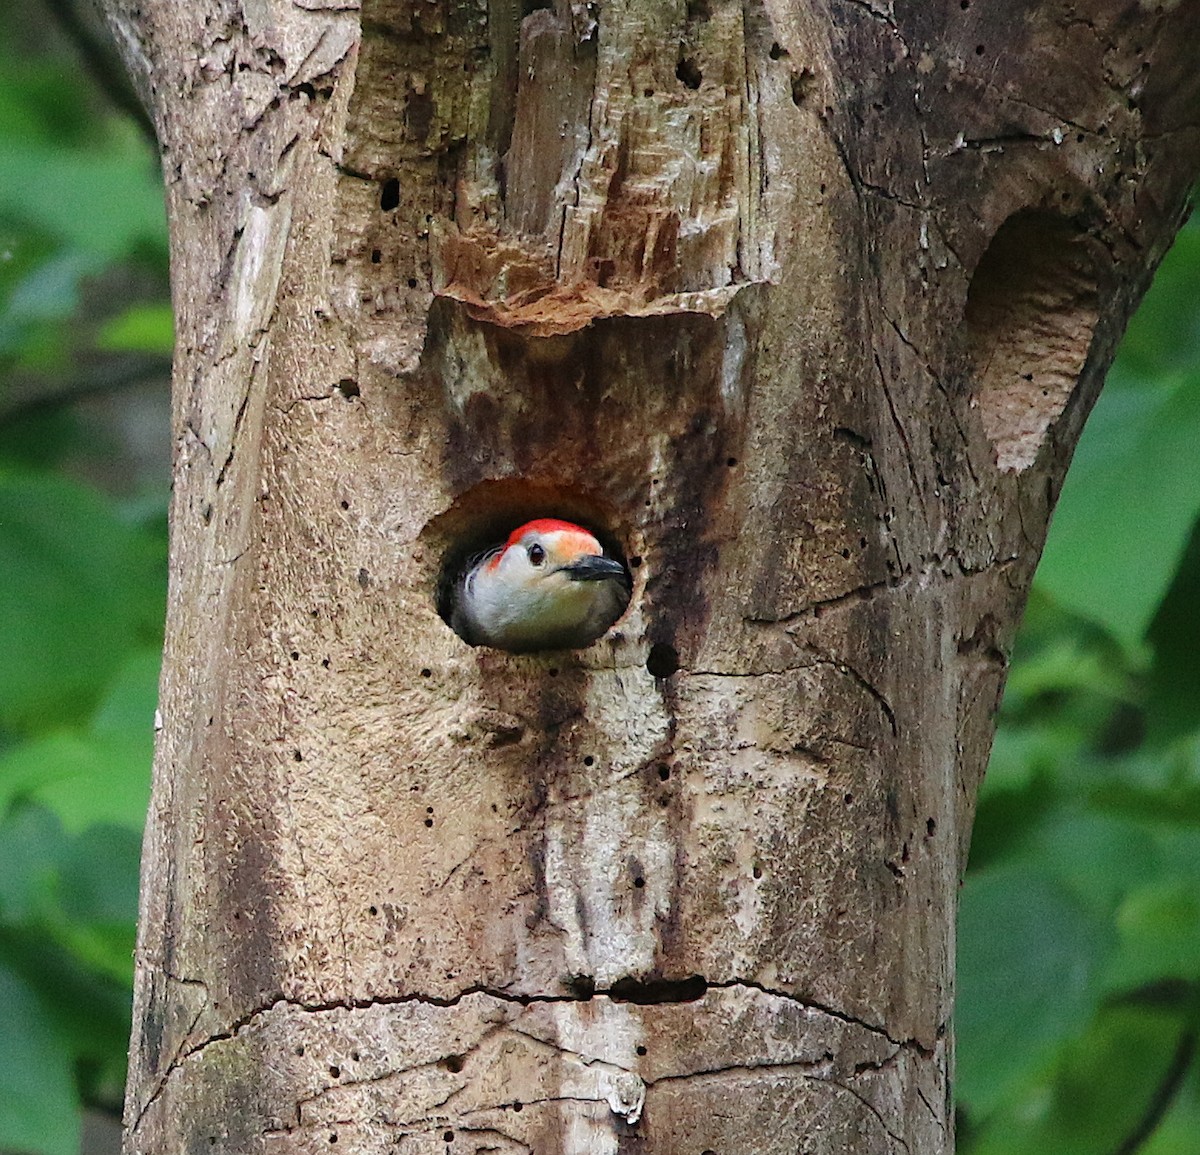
{"x":848,"y":799}
{"x":640,"y":1050}
{"x":389,"y":194}
{"x":582,"y":987}
{"x":335,"y":1072}
{"x":757,"y":871}
{"x":518,"y":1105}
{"x":689,"y":74}
{"x":930,"y":827}
{"x":777,"y":52}
{"x":412,"y":282}
{"x":376,"y":256}
{"x":453,"y":1063}
{"x":372,"y":911}
{"x":348,"y":388}
{"x":344,"y":504}
{"x":635,"y":562}
{"x":297,"y":756}
{"x":354,"y":1056}
{"x":589,"y":761}
{"x":300,"y":1051}
{"x":664,"y":772}
{"x":448,"y":1136}
{"x":639,"y":882}
{"x":663,"y":660}
{"x":428,"y":822}
{"x":978,"y":49}
{"x":802,"y":83}
{"x":333,"y":1137}
{"x":426,"y":672}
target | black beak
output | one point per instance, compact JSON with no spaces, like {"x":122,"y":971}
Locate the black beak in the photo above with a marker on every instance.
{"x":595,"y":568}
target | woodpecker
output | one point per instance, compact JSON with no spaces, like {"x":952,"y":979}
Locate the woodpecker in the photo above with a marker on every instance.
{"x":549,"y":587}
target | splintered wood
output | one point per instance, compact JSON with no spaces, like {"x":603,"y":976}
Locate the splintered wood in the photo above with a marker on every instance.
{"x":625,"y":183}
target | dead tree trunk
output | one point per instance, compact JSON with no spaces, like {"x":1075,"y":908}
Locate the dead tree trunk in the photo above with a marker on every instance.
{"x":800,"y":304}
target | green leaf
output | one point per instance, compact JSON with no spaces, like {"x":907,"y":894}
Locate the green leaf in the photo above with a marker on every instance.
{"x":1159,"y":924}
{"x":1164,"y":335}
{"x":1095,"y":1097}
{"x":83,"y":778}
{"x":1098,"y":857}
{"x":102,"y":203}
{"x":31,"y":846}
{"x":1113,"y":552}
{"x":140,"y":329}
{"x":102,"y":773}
{"x":81,"y":589}
{"x":1173,"y":704}
{"x":80,"y":892}
{"x":39,"y":1106}
{"x":1027,"y":957}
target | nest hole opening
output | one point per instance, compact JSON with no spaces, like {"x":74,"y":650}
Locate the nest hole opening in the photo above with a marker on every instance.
{"x":1031,"y":312}
{"x":487,"y":514}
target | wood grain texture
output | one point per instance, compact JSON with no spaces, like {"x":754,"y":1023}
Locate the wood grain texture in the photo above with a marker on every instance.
{"x":801,"y":307}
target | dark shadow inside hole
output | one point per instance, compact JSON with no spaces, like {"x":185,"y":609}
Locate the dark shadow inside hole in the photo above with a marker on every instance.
{"x":688,"y":72}
{"x":663,"y":660}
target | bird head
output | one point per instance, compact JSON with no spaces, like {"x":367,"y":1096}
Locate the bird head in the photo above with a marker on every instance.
{"x":549,"y":586}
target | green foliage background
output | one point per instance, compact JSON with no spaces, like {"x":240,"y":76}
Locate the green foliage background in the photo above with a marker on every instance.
{"x":1079,"y":935}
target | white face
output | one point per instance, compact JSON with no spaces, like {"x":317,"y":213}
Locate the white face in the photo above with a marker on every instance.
{"x":537,"y":562}
{"x":527,"y":599}
{"x":536,"y":585}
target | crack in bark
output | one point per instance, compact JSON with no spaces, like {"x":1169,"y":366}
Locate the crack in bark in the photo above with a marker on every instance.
{"x":870,"y":1107}
{"x":917,"y":488}
{"x":941,"y":388}
{"x":179,"y":1056}
{"x":867,"y":592}
{"x":888,"y":195}
{"x":822,"y":659}
{"x":233,"y":436}
{"x":929,"y":1106}
{"x":884,"y":16}
{"x":824,"y":1009}
{"x":248,"y":1020}
{"x":802,"y":1069}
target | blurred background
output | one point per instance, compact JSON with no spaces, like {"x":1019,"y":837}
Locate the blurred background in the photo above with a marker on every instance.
{"x":1079,"y":935}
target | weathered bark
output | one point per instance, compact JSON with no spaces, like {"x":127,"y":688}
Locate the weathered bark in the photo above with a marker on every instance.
{"x":801,"y":304}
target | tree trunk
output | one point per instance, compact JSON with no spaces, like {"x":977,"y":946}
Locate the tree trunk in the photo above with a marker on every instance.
{"x":800,"y":305}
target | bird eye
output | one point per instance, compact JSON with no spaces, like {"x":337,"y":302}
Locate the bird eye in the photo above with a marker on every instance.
{"x":537,"y":555}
